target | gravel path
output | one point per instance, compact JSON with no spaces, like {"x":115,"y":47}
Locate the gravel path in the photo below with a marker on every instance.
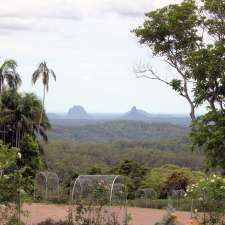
{"x":140,"y":216}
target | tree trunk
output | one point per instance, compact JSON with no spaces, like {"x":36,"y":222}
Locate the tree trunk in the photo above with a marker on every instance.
{"x":1,"y":81}
{"x":42,"y":110}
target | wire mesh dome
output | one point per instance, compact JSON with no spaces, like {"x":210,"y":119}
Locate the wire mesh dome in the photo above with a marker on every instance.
{"x":148,"y":194}
{"x":176,"y":196}
{"x":105,"y":197}
{"x":46,"y":186}
{"x":108,"y":188}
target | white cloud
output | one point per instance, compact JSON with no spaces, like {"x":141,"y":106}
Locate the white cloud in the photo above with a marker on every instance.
{"x":89,"y":45}
{"x":29,"y":14}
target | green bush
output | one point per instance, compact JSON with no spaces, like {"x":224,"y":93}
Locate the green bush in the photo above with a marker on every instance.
{"x":181,"y":204}
{"x":209,"y":197}
{"x":177,"y":181}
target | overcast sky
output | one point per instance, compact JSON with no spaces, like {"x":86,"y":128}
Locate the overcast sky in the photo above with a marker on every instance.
{"x":89,"y":45}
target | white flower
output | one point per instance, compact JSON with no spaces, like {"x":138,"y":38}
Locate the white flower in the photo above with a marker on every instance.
{"x":200,"y":199}
{"x":212,"y":181}
{"x":21,"y":191}
{"x":195,"y":210}
{"x":214,"y":175}
{"x":19,"y":155}
{"x":6,"y":177}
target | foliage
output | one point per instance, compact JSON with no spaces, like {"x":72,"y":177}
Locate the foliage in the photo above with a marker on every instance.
{"x":67,"y":157}
{"x":89,"y":214}
{"x":209,"y":197}
{"x":158,"y":178}
{"x":94,"y":171}
{"x":8,"y":159}
{"x":19,"y":148}
{"x":209,"y":133}
{"x":19,"y":115}
{"x":31,"y":155}
{"x":181,"y":204}
{"x":67,"y":183}
{"x":134,"y":171}
{"x":191,"y":39}
{"x":169,"y":218}
{"x":11,"y":185}
{"x":107,"y":132}
{"x":43,"y":72}
{"x":9,"y":78}
{"x":19,"y":118}
{"x":177,"y":181}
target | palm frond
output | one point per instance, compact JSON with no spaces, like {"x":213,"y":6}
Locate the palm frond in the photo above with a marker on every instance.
{"x":9,"y":64}
{"x":35,"y":76}
{"x":53,"y":74}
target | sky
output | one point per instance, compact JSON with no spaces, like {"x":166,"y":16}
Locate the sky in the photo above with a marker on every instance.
{"x":90,"y":46}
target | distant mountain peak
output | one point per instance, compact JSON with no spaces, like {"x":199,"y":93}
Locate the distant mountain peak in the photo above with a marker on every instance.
{"x":136,"y":114}
{"x":133,"y":109}
{"x":77,"y":112}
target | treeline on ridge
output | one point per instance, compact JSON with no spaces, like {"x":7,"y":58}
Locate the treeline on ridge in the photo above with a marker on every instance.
{"x":66,"y":157}
{"x":105,"y":132}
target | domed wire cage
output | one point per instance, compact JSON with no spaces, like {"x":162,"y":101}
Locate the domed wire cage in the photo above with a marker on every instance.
{"x":176,"y":196}
{"x":107,"y":193}
{"x":146,"y":194}
{"x":46,"y":186}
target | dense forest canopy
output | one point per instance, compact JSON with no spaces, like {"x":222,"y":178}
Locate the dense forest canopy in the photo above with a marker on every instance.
{"x":105,"y":132}
{"x":64,"y":156}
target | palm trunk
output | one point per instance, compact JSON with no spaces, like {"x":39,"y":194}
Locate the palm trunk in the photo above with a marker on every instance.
{"x":42,"y":110}
{"x":1,"y":81}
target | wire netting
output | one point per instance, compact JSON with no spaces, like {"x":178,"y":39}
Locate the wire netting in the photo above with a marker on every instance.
{"x":46,"y":186}
{"x":146,"y":195}
{"x":104,"y":198}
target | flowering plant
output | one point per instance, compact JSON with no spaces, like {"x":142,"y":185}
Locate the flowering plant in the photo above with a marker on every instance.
{"x":208,"y":196}
{"x":209,"y":188}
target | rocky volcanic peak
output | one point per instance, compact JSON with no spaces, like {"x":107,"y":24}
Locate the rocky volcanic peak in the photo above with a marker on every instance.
{"x":77,"y":112}
{"x":136,"y":114}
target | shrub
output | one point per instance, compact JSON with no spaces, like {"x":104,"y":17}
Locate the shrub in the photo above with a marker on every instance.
{"x":177,"y":181}
{"x":209,"y":197}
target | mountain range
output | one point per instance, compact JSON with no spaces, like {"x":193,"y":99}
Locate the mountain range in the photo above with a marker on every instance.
{"x":79,"y":116}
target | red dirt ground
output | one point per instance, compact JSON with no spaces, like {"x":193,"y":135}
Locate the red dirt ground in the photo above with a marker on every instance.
{"x":140,"y":216}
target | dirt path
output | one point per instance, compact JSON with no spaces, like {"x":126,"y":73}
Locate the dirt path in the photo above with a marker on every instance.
{"x":140,"y":216}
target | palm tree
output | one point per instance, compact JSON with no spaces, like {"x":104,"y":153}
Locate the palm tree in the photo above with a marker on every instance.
{"x":9,"y":75}
{"x":44,"y":72}
{"x":19,"y":115}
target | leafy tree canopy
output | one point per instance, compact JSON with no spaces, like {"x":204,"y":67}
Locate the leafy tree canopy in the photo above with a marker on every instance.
{"x":190,"y":38}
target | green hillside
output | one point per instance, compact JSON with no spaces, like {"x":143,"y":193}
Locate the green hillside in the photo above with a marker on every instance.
{"x":64,"y":156}
{"x":105,"y":132}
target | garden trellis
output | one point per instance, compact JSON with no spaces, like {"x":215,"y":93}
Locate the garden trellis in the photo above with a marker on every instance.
{"x":148,"y":194}
{"x":105,"y":196}
{"x":46,"y":186}
{"x":176,"y":196}
{"x":111,"y":187}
